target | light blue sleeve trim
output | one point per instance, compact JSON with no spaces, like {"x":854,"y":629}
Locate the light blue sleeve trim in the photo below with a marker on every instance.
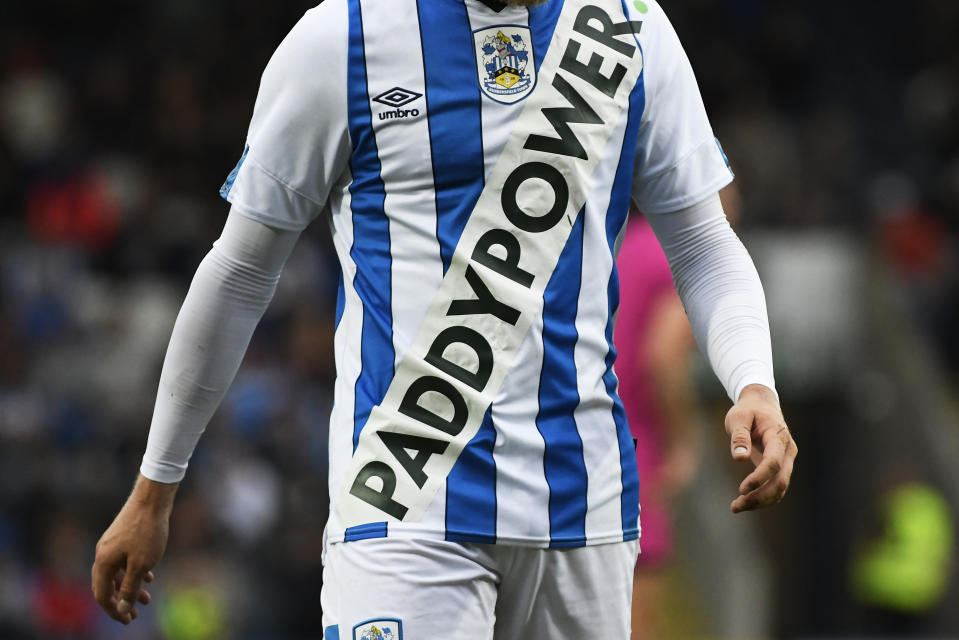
{"x":230,"y":179}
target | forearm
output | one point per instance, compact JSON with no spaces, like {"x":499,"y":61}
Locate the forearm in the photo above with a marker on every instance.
{"x":231,"y":289}
{"x":722,"y":294}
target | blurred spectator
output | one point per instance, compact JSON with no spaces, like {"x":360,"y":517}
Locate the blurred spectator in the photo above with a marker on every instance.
{"x":654,"y":343}
{"x":60,"y":595}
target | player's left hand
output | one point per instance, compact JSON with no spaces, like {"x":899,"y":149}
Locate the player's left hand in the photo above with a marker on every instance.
{"x":758,"y":432}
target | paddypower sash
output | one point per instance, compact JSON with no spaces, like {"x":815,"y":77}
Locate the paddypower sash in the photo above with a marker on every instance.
{"x":494,"y":286}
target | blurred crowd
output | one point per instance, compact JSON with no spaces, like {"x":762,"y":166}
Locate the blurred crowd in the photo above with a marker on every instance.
{"x":118,"y":123}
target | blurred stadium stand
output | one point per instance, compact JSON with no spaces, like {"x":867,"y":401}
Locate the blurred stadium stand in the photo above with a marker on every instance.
{"x":118,"y":123}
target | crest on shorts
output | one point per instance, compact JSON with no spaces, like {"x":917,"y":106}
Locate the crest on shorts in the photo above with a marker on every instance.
{"x":379,"y":629}
{"x":504,"y":62}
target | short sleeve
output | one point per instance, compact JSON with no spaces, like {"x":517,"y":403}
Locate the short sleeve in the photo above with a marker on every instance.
{"x":298,"y":142}
{"x":679,"y":162}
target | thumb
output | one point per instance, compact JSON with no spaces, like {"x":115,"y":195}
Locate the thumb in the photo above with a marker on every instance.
{"x":739,"y":427}
{"x":130,"y":589}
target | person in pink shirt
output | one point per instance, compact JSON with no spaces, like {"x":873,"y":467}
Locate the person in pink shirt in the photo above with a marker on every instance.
{"x":654,"y":343}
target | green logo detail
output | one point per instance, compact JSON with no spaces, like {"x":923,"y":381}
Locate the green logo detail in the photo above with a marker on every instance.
{"x":640,"y":6}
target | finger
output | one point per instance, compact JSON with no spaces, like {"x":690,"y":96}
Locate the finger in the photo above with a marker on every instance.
{"x":144,"y":597}
{"x":102,"y":576}
{"x":772,"y":491}
{"x":774,"y":453}
{"x":770,"y":456}
{"x":739,"y":425}
{"x":768,"y":494}
{"x":130,"y":589}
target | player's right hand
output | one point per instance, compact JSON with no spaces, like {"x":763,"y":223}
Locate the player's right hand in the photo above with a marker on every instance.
{"x":130,"y":548}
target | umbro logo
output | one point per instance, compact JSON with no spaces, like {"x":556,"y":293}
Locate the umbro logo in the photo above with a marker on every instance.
{"x":398,"y":97}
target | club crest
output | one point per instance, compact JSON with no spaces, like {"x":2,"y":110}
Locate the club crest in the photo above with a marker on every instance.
{"x":504,"y":62}
{"x":382,"y":629}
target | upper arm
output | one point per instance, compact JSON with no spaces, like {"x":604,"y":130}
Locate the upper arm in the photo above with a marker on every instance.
{"x":678,"y":159}
{"x":298,"y":141}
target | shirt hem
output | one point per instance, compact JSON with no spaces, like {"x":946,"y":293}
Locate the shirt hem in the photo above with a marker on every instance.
{"x":516,"y":541}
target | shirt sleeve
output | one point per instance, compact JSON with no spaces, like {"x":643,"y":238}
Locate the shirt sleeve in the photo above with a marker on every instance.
{"x":679,"y":162}
{"x":298,"y":141}
{"x":721,"y":291}
{"x":230,"y":291}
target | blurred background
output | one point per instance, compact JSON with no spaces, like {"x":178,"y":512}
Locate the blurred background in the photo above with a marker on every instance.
{"x":118,"y":123}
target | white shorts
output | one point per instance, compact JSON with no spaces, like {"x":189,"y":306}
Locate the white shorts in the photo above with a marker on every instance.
{"x":402,"y":589}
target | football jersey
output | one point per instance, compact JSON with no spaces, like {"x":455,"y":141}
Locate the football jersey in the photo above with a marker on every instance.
{"x":388,"y":118}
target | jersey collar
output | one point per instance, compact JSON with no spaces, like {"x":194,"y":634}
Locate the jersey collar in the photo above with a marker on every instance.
{"x":495,"y":5}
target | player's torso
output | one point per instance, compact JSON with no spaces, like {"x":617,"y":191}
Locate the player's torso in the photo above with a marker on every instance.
{"x":433,"y":92}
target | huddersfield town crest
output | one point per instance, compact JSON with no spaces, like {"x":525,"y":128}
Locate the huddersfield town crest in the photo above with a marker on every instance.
{"x":385,"y":629}
{"x":504,"y":61}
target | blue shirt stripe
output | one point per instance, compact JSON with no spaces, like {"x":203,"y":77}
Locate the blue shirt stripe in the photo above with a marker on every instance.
{"x":371,"y":235}
{"x":340,"y":300}
{"x":456,"y":143}
{"x":563,"y":460}
{"x":454,"y":118}
{"x":471,"y":489}
{"x":365,"y":531}
{"x":619,"y":204}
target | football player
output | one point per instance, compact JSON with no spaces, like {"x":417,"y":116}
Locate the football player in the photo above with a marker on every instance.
{"x":482,"y":476}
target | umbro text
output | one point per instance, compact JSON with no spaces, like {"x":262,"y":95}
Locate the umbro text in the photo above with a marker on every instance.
{"x":399,"y":113}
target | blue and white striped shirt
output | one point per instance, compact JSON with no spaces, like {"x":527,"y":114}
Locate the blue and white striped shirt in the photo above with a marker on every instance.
{"x":388,"y":116}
